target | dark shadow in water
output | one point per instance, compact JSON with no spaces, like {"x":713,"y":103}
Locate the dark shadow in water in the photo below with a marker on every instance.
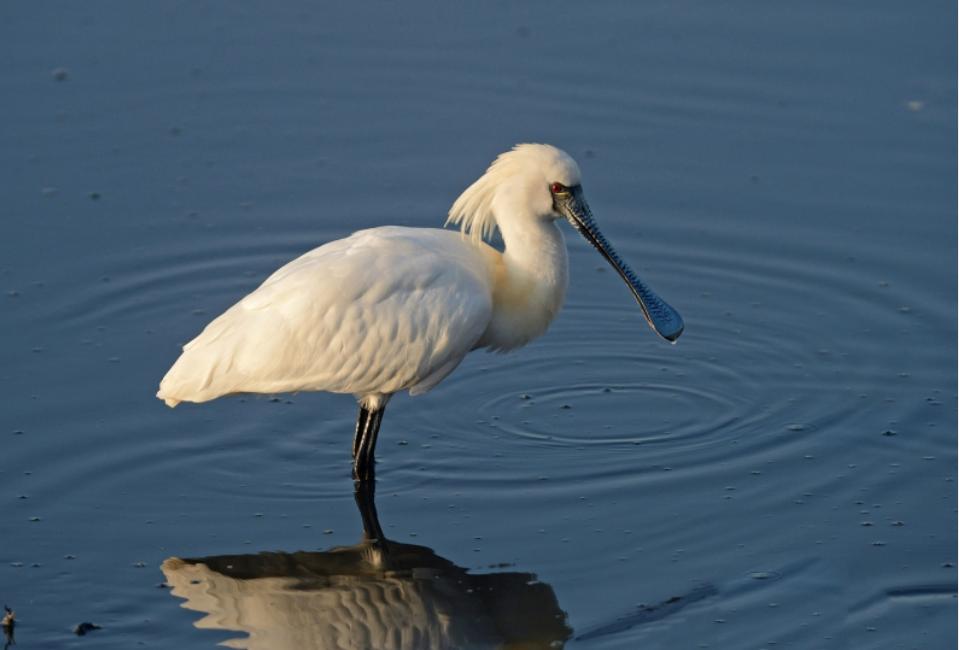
{"x":375,"y":594}
{"x":644,"y":614}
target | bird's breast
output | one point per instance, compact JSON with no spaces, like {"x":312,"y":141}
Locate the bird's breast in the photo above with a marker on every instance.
{"x":525,"y":302}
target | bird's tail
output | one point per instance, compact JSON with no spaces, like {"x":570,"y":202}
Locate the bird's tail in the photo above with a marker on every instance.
{"x":191,"y":379}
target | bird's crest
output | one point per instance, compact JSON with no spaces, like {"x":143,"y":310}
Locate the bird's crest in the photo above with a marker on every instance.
{"x":473,"y":210}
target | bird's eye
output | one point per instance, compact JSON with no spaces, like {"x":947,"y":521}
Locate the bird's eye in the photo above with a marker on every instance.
{"x":558,"y":188}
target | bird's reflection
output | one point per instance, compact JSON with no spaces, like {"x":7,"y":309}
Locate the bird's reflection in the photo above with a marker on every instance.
{"x":375,"y":594}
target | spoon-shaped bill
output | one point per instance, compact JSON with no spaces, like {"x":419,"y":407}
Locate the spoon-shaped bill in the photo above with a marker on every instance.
{"x":664,"y":320}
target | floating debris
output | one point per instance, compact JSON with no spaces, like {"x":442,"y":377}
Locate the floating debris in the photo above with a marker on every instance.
{"x":8,"y":623}
{"x":85,"y":627}
{"x":60,"y":74}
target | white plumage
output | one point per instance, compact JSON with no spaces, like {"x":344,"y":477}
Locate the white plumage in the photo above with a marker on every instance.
{"x":392,"y":309}
{"x":384,"y":310}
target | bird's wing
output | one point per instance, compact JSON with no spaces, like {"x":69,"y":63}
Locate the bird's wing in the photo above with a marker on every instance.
{"x":384,"y":310}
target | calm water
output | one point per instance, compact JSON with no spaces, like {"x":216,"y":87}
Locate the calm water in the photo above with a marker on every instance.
{"x":783,"y":476}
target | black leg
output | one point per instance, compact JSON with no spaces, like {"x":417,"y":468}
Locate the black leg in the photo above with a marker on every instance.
{"x":361,"y":419}
{"x":367,"y":429}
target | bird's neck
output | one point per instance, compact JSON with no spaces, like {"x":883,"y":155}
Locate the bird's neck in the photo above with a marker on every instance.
{"x":531,"y":277}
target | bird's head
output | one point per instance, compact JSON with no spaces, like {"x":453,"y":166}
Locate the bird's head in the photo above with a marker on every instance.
{"x":539,"y":181}
{"x":519,"y":184}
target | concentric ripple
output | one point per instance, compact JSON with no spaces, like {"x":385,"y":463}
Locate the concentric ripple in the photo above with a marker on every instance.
{"x":185,"y":276}
{"x":753,"y":377}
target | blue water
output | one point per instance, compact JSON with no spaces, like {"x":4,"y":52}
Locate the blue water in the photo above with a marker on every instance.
{"x":784,"y":175}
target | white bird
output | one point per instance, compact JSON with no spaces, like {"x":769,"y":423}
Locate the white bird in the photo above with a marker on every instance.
{"x":391,"y":309}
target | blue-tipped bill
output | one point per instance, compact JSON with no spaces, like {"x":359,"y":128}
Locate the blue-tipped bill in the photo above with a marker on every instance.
{"x":664,"y":320}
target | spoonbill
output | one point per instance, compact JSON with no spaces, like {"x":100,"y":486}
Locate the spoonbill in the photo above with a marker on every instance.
{"x":390,"y":309}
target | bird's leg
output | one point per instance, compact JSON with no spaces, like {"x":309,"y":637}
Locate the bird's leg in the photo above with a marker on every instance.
{"x":363,"y":456}
{"x":361,"y":419}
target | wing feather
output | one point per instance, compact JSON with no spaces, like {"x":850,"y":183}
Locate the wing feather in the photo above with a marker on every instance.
{"x":383,"y":310}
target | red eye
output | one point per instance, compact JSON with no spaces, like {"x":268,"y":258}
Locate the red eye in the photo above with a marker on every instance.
{"x":558,"y":188}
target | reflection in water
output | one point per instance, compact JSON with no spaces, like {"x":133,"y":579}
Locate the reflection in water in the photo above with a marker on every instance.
{"x":375,"y":594}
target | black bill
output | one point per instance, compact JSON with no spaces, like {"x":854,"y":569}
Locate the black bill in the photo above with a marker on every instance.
{"x":664,"y":320}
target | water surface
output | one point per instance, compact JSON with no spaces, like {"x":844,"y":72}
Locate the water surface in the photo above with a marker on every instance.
{"x":783,"y":175}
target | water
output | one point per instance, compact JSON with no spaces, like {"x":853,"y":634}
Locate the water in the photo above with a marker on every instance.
{"x":783,"y":476}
